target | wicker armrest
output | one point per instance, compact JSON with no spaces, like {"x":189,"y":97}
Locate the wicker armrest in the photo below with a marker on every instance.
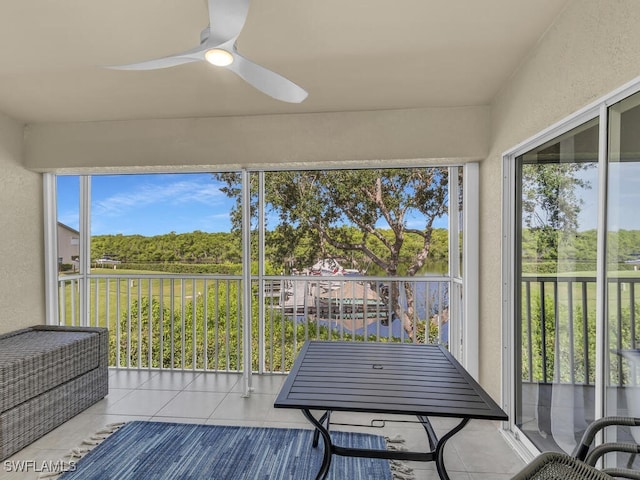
{"x":622,"y":473}
{"x":583,"y":448}
{"x":559,"y":466}
{"x":601,"y":450}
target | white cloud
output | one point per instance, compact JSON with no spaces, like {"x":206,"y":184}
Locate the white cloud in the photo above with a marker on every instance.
{"x":158,"y":194}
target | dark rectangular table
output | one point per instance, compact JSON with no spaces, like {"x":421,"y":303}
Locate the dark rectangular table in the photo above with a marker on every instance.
{"x":386,"y":378}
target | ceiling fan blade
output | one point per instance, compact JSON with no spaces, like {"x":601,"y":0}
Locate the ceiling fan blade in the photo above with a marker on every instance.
{"x":192,"y":55}
{"x":226,"y":19}
{"x":271,"y":83}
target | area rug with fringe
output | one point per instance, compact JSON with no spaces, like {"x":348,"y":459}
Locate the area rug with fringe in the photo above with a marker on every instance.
{"x":157,"y":450}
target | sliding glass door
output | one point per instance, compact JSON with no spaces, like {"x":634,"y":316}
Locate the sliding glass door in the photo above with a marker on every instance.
{"x":622,"y":359}
{"x":576,"y":292}
{"x":556,"y":269}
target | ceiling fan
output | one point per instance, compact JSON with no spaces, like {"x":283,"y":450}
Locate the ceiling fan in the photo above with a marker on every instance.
{"x":218,"y":47}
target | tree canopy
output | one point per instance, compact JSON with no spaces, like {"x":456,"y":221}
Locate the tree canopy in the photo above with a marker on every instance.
{"x":315,"y":206}
{"x":376,"y":214}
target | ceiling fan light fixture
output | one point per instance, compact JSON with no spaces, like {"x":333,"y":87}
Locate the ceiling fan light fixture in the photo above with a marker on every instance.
{"x":218,"y":47}
{"x":218,"y":57}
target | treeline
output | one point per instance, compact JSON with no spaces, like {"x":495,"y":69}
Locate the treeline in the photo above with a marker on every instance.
{"x":194,"y":247}
{"x":577,"y":251}
{"x":221,"y":252}
{"x":200,"y":252}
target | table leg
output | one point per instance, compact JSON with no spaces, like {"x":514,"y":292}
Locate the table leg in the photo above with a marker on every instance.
{"x":326,"y":417}
{"x":442,"y":471}
{"x":431,"y":434}
{"x":326,"y":437}
{"x":436,"y":454}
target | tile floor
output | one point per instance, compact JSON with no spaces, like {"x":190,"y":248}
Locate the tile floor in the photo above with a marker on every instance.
{"x":478,"y":452}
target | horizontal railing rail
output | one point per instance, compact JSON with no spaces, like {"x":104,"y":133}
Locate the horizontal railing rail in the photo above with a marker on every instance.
{"x":195,"y":322}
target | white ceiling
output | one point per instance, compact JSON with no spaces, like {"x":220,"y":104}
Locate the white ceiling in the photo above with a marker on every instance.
{"x":348,"y":54}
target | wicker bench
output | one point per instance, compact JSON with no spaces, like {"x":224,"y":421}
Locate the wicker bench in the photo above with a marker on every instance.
{"x":48,"y":374}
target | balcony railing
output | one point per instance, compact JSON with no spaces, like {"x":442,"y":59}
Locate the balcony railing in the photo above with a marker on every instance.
{"x":195,"y":322}
{"x":558,"y":329}
{"x":557,"y":396}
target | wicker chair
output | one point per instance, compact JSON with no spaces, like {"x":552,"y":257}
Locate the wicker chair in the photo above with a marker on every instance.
{"x":581,"y":464}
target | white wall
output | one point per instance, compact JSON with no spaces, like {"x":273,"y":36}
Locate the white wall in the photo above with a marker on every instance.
{"x":21,"y":234}
{"x":592,"y":49}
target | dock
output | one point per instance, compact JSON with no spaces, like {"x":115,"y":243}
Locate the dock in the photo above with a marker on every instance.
{"x":333,"y":300}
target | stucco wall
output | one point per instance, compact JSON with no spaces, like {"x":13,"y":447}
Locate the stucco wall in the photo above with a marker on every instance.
{"x":591,"y":50}
{"x":263,"y":140}
{"x":21,"y":234}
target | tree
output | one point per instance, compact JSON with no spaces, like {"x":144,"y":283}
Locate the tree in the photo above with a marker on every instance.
{"x":551,"y":205}
{"x":318,"y":204}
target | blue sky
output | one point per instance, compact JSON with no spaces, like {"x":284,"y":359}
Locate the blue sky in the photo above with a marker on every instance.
{"x":154,"y":204}
{"x":624,"y":197}
{"x":148,"y":204}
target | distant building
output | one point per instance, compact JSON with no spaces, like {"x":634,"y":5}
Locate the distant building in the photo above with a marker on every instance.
{"x":68,"y":247}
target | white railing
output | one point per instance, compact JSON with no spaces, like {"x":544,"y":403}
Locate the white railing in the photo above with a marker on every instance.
{"x":194,"y":322}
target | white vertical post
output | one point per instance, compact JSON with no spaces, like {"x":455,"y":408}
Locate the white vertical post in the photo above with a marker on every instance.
{"x":601,"y":267}
{"x":454,"y":222}
{"x":471,"y":277}
{"x":456,"y":320}
{"x":508,"y":287}
{"x":246,"y":283}
{"x":49,"y":186}
{"x":261,"y":259}
{"x":85,"y":248}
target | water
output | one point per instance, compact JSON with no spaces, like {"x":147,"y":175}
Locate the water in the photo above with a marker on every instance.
{"x":431,"y":298}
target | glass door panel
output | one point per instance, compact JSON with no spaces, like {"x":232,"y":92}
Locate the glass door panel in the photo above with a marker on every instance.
{"x":623,"y":264}
{"x":68,"y":248}
{"x":555,"y":267}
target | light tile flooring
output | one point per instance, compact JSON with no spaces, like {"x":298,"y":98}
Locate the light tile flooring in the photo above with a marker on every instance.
{"x":478,"y":452}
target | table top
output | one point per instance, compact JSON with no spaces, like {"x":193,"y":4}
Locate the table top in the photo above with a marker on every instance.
{"x":395,"y":378}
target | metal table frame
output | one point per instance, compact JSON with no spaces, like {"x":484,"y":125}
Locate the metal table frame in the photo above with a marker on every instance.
{"x":355,"y":376}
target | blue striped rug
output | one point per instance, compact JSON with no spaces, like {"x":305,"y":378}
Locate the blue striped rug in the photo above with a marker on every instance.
{"x":155,"y":450}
